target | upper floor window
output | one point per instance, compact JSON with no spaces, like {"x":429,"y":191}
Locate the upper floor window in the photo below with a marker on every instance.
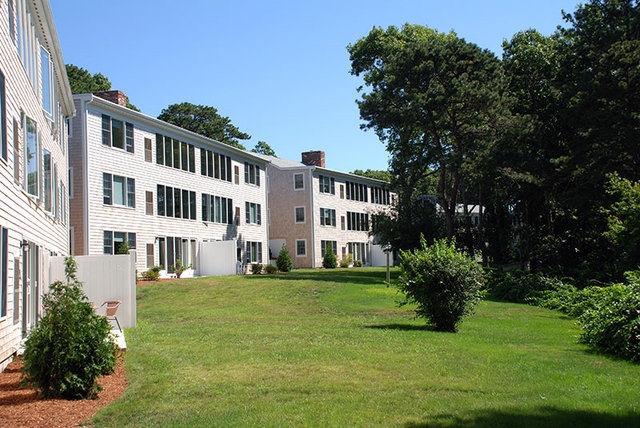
{"x":357,"y":221}
{"x":46,"y":160}
{"x":299,"y":214}
{"x":298,"y":181}
{"x":46,"y":67}
{"x":118,"y":190}
{"x":380,"y":195}
{"x":12,"y":21}
{"x":3,"y":120}
{"x":356,"y":191}
{"x":253,"y":214}
{"x":174,"y":202}
{"x":327,"y":184}
{"x":251,"y":173}
{"x":32,"y":158}
{"x":327,"y":217}
{"x":217,"y":209}
{"x":116,"y":133}
{"x":174,"y":153}
{"x":215,"y":165}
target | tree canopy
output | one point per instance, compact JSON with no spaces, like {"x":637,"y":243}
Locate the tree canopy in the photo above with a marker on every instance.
{"x":435,"y":100}
{"x":263,"y":148}
{"x":82,"y":81}
{"x":204,"y":120}
{"x":383,"y":175}
{"x":532,"y":138}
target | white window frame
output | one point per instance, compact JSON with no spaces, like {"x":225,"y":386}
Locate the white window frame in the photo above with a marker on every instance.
{"x":304,"y":242}
{"x":304,"y":214}
{"x":295,"y":182}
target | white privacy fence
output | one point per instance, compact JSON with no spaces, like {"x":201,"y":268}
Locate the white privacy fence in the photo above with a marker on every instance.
{"x":218,"y":258}
{"x":104,"y":278}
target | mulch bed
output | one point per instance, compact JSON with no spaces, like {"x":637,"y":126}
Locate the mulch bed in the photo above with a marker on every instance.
{"x":22,"y":407}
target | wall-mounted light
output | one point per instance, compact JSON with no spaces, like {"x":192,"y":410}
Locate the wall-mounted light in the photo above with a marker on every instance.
{"x":24,"y":244}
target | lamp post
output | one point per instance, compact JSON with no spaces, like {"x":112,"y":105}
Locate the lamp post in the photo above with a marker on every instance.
{"x":387,"y":250}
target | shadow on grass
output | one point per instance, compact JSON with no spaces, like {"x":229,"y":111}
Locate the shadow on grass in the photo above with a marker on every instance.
{"x":542,"y":417}
{"x":402,"y":327}
{"x":363,"y":276}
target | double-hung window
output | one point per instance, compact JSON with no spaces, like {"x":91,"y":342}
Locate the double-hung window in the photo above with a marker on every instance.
{"x":116,"y":133}
{"x":301,"y":247}
{"x":118,"y":190}
{"x":217,"y":209}
{"x":174,"y":202}
{"x":327,"y":184}
{"x":32,"y":158}
{"x":46,"y":68}
{"x":299,"y":214}
{"x":117,"y":242}
{"x":254,"y":252}
{"x":46,"y":155}
{"x":251,"y":174}
{"x":325,"y":245}
{"x":3,"y":120}
{"x":327,"y":217}
{"x":4,"y":260}
{"x":298,"y":181}
{"x":253,"y":214}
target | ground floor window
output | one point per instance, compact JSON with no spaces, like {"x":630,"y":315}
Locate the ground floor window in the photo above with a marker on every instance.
{"x":4,"y":260}
{"x":254,"y":252}
{"x":118,"y":242}
{"x":174,"y":248}
{"x":359,"y":251}
{"x":324,"y":245}
{"x":301,"y":247}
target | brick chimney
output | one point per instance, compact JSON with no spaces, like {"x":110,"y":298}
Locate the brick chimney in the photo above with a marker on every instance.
{"x":116,"y":97}
{"x":315,"y":158}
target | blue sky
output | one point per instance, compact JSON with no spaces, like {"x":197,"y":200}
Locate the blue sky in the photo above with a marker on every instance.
{"x":278,"y":69}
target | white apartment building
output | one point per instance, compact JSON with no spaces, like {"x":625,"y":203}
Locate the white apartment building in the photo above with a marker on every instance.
{"x":165,"y":191}
{"x":35,"y":102}
{"x":312,"y":207}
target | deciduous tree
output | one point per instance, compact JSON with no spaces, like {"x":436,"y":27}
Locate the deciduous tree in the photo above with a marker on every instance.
{"x":437,"y":102}
{"x":204,"y":120}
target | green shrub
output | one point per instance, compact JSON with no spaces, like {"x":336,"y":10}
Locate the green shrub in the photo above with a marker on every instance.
{"x":179,"y":268}
{"x":270,"y":269}
{"x":329,"y":261}
{"x":153,"y":274}
{"x":519,"y":286}
{"x":256,"y":268}
{"x":284,"y":262}
{"x":346,"y":261}
{"x":70,"y":348}
{"x":444,"y":283}
{"x":357,"y":263}
{"x":612,"y":325}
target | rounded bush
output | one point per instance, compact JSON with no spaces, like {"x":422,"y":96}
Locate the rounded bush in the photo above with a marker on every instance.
{"x":70,"y":348}
{"x":444,"y":283}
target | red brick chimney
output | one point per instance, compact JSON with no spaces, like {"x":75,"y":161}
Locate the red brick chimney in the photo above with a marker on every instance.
{"x":116,"y":97}
{"x":315,"y":158}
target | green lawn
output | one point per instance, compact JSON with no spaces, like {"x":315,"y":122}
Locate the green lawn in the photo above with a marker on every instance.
{"x":332,"y":348}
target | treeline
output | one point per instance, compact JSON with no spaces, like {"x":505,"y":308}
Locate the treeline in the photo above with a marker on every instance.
{"x":542,"y":142}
